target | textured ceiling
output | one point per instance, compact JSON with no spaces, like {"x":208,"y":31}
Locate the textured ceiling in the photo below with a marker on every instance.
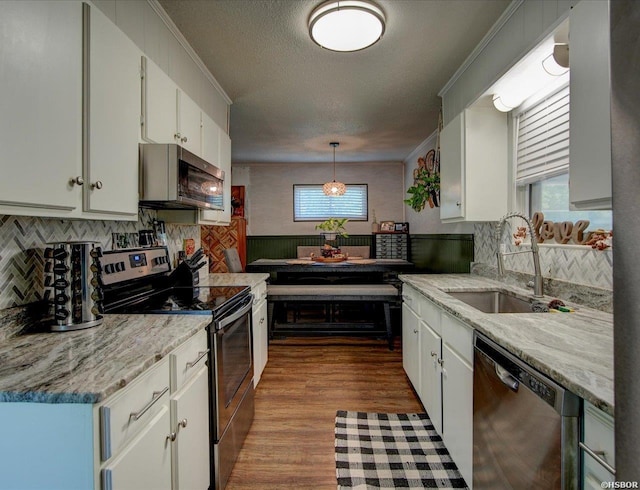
{"x":291,"y":97}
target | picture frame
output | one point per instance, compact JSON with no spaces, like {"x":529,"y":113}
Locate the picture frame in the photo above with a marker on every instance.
{"x":387,"y":226}
{"x":402,"y":227}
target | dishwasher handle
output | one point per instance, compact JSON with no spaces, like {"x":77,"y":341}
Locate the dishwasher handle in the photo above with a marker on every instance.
{"x":506,"y":378}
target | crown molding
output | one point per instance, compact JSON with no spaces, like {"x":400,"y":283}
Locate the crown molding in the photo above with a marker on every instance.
{"x":502,"y":20}
{"x":155,"y":5}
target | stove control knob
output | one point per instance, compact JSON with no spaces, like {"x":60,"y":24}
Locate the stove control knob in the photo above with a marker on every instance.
{"x":120,"y":267}
{"x":55,"y":253}
{"x":62,"y":314}
{"x":108,"y":269}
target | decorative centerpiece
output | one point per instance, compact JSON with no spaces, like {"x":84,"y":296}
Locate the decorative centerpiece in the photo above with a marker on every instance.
{"x":331,"y":229}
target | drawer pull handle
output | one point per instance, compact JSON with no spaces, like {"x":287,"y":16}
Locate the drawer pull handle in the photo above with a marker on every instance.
{"x":599,"y":457}
{"x":156,"y":396}
{"x":200,"y":356}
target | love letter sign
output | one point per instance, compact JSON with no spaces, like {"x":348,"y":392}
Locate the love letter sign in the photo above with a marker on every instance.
{"x":561,"y":232}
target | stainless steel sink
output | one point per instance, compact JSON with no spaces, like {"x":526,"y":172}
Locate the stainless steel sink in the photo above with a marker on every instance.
{"x":493,"y":301}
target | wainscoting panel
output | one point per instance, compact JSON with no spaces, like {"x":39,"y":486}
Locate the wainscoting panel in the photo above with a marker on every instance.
{"x":430,"y":253}
{"x":442,"y":254}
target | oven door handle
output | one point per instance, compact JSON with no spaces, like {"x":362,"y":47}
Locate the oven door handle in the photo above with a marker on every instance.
{"x":223,"y":322}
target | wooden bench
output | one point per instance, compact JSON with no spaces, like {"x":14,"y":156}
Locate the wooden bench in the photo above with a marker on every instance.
{"x":284,"y":295}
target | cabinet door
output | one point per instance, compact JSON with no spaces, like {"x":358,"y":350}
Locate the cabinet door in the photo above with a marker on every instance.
{"x":190,"y":422}
{"x":451,"y":169}
{"x":189,"y":124}
{"x":260,"y":340}
{"x":223,"y":217}
{"x":430,"y":377}
{"x":145,"y":463}
{"x":411,"y":346}
{"x":159,"y":105}
{"x":113,"y":110}
{"x":210,"y":140}
{"x":457,"y":410}
{"x":41,"y":103}
{"x":590,"y":106}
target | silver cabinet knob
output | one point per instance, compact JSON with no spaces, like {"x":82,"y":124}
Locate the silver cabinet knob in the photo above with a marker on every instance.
{"x":97,"y":184}
{"x":172,"y":436}
{"x":177,"y":136}
{"x":77,"y":181}
{"x":182,"y":423}
{"x":415,"y":331}
{"x":457,"y":203}
{"x":441,"y":362}
{"x":184,"y":139}
{"x":433,"y":354}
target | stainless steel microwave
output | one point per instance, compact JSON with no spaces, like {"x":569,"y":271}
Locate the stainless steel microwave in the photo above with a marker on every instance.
{"x":174,"y":178}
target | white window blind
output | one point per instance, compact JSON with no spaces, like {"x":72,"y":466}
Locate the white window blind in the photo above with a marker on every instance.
{"x":311,"y":204}
{"x":543,"y":139}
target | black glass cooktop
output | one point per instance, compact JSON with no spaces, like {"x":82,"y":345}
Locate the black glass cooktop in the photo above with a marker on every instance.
{"x":204,"y":300}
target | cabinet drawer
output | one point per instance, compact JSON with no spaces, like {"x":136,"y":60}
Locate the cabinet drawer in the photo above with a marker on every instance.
{"x":187,"y":359}
{"x":599,"y":437}
{"x":411,"y":298}
{"x":259,"y":293}
{"x":459,"y":336}
{"x":124,"y":414}
{"x":430,"y":314}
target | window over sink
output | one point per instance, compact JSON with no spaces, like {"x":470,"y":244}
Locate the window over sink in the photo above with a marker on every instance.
{"x":542,"y":159}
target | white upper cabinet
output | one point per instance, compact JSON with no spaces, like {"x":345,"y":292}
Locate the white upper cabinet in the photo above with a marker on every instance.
{"x":223,"y":162}
{"x":210,"y":140}
{"x":189,"y":124}
{"x":159,"y":105}
{"x":473,"y":166}
{"x":41,"y":105}
{"x":590,"y":85}
{"x":112,"y":112}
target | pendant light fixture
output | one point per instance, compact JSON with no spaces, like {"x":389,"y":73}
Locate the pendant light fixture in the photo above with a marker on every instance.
{"x":346,"y":25}
{"x":334,"y":188}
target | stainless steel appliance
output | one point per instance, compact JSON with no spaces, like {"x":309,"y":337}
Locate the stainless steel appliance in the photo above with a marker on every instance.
{"x":71,"y":284}
{"x":525,"y":426}
{"x":173,"y":178}
{"x":141,"y":282}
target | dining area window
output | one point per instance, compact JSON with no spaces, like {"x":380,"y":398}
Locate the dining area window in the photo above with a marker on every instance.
{"x":311,"y":204}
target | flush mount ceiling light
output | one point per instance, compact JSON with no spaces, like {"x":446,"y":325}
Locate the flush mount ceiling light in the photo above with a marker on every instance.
{"x":334,"y":188}
{"x":349,"y":25}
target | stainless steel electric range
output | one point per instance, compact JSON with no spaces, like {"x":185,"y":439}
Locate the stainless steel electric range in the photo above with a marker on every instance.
{"x":140,"y":281}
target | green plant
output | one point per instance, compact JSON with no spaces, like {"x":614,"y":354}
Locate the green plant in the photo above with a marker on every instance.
{"x":334,"y":225}
{"x":425,"y":189}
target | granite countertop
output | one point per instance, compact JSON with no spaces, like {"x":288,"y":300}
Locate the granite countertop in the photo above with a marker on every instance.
{"x":234,"y":279}
{"x":86,"y":366}
{"x":573,"y":349}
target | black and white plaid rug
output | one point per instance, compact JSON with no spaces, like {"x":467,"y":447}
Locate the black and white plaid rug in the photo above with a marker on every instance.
{"x":384,"y":450}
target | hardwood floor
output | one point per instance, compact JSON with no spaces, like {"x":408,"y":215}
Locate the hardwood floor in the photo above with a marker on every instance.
{"x":291,"y":441}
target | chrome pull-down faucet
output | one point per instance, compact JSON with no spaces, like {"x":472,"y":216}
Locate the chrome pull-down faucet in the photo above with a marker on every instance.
{"x":537,"y":279}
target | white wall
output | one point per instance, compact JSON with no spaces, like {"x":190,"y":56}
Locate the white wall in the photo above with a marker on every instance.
{"x":426,"y":221}
{"x":269,"y":193}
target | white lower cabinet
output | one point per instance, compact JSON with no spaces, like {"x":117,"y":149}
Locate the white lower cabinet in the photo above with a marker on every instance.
{"x":190,"y":423}
{"x":438,"y":359}
{"x":430,"y":377}
{"x":260,"y":332}
{"x":145,"y":463}
{"x":598,"y":435}
{"x":457,"y":410}
{"x":411,"y":347}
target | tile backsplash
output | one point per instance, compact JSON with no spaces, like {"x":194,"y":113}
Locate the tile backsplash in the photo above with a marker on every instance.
{"x":572,"y":263}
{"x":23,"y":239}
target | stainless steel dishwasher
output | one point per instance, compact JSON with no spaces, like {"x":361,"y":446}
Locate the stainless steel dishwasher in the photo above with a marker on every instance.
{"x":525,"y":426}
